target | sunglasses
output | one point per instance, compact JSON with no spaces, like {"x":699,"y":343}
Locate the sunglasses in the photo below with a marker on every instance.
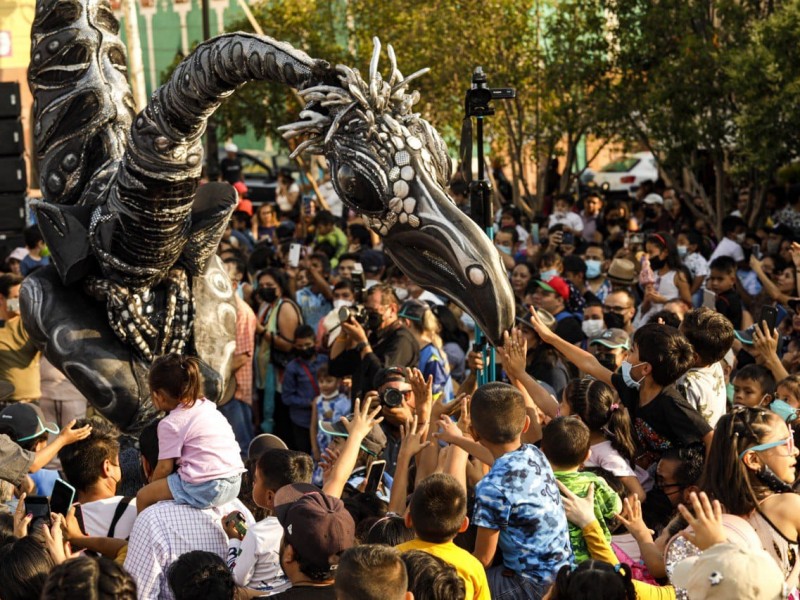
{"x":788,"y":442}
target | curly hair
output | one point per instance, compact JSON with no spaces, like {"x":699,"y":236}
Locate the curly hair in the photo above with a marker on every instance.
{"x":200,"y":574}
{"x":89,"y":579}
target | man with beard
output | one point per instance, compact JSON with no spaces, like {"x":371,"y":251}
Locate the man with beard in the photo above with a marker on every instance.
{"x":619,"y":310}
{"x":383,"y":341}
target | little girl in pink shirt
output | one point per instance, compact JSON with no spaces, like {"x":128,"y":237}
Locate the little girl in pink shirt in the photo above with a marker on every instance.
{"x":196,"y":435}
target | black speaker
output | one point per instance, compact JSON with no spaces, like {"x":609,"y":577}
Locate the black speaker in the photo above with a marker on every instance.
{"x":11,"y":141}
{"x":9,"y":99}
{"x":13,"y":177}
{"x":12,"y":212}
{"x":8,"y":241}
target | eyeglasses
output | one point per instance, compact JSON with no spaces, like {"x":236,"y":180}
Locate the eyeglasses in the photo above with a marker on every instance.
{"x":788,"y":442}
{"x":616,"y":309}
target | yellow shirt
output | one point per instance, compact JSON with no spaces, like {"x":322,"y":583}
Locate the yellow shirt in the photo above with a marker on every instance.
{"x":468,"y":567}
{"x":19,"y":360}
{"x":600,"y":549}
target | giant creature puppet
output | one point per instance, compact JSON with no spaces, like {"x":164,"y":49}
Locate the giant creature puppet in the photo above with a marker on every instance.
{"x":132,"y":237}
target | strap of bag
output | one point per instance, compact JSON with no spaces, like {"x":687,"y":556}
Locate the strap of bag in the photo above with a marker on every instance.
{"x":122,"y":506}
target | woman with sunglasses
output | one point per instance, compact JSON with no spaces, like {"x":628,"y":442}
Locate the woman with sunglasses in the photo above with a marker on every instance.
{"x":751,"y":470}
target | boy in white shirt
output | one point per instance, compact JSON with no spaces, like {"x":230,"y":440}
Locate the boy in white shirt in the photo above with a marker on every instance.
{"x":703,"y":386}
{"x":563,"y":215}
{"x":254,"y":557}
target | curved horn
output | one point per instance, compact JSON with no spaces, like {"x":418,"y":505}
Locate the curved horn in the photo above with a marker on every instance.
{"x":151,"y":203}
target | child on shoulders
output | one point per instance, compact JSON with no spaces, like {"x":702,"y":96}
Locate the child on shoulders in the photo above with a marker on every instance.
{"x":195,"y":436}
{"x":329,"y":406}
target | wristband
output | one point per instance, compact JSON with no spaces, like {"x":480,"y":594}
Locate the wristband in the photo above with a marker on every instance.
{"x":360,"y":346}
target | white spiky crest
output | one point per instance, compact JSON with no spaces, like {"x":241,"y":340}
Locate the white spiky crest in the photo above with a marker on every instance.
{"x":372,"y":101}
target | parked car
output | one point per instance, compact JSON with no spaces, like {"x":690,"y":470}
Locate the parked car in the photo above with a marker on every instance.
{"x":260,"y":178}
{"x":627,"y":173}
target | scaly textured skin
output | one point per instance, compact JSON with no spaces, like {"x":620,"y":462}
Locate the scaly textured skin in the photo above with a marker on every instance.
{"x":132,"y":237}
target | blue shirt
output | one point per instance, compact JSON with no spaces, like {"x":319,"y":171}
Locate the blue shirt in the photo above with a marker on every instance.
{"x":299,"y":390}
{"x":520,"y":498}
{"x":431,"y":362}
{"x":29,"y":264}
{"x":44,"y":479}
{"x":314,"y":306}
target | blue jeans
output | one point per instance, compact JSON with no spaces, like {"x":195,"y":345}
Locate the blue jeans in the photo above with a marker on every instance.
{"x":240,"y":416}
{"x":204,"y":495}
{"x":505,"y":584}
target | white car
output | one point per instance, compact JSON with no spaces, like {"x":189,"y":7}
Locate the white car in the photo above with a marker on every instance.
{"x":627,"y":173}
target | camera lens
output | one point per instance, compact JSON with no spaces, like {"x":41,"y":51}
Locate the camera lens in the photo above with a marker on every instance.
{"x":344,"y":314}
{"x":392,"y":398}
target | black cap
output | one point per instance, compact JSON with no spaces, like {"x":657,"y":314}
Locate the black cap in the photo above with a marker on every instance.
{"x":27,"y":421}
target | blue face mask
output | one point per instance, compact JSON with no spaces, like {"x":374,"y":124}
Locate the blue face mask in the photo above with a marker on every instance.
{"x":625,"y":369}
{"x":545,"y":275}
{"x":593,"y":268}
{"x":785,"y":411}
{"x":505,"y":249}
{"x":683,"y":251}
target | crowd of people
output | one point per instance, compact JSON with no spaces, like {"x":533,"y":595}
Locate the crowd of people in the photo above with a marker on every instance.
{"x":635,"y":440}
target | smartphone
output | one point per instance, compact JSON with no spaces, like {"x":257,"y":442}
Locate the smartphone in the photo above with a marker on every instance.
{"x":770,"y":315}
{"x":38,"y":506}
{"x":374,"y":476}
{"x":535,"y":233}
{"x":62,"y":497}
{"x":756,"y":251}
{"x":294,"y":255}
{"x":709,"y":299}
{"x":308,"y":205}
{"x":568,"y":239}
{"x":238,"y":523}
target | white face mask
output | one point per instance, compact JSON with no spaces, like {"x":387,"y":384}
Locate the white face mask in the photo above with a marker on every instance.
{"x":593,"y":327}
{"x":12,"y":305}
{"x":340,"y":302}
{"x":401,"y":293}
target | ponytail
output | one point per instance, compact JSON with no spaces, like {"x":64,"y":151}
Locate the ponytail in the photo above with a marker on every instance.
{"x":178,"y":377}
{"x":597,"y":405}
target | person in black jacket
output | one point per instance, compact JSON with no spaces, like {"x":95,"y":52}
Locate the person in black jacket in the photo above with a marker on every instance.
{"x":384,"y":342}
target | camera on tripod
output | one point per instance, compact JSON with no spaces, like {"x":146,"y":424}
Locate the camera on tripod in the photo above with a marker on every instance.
{"x":477,"y":103}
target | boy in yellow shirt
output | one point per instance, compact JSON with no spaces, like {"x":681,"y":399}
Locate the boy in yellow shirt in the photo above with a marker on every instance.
{"x":437,"y":514}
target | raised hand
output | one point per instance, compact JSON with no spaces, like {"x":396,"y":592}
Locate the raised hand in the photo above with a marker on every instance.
{"x":580,"y":511}
{"x":706,"y":522}
{"x":423,"y":394}
{"x":363,"y":420}
{"x":514,"y":353}
{"x":70,"y":435}
{"x":631,"y":517}
{"x":413,"y":438}
{"x":21,"y":520}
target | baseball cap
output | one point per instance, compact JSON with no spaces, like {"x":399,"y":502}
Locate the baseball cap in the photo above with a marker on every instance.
{"x":27,"y":421}
{"x":745,"y":335}
{"x":317,"y":526}
{"x":372,"y":261}
{"x":730,"y":571}
{"x":546,"y":318}
{"x":17,"y":254}
{"x":262,"y":443}
{"x":653,"y":199}
{"x":556,"y":285}
{"x":612,"y":338}
{"x":413,"y":309}
{"x":373,"y":444}
{"x":388,"y":375}
{"x":231,"y":147}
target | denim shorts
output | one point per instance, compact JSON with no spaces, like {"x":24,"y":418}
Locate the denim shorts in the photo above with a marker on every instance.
{"x":204,"y":495}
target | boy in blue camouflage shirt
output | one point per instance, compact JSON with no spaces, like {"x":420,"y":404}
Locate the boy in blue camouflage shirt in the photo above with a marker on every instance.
{"x":566,"y":444}
{"x":517,"y":503}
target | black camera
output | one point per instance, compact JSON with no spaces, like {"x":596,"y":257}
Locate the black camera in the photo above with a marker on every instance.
{"x":357,"y":312}
{"x":391,"y":398}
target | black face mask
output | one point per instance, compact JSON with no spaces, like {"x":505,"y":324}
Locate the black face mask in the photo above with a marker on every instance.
{"x":268,"y":294}
{"x":609,"y":361}
{"x":614,"y":320}
{"x":773,"y":482}
{"x":657,"y":263}
{"x":306,"y":353}
{"x":374,"y":320}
